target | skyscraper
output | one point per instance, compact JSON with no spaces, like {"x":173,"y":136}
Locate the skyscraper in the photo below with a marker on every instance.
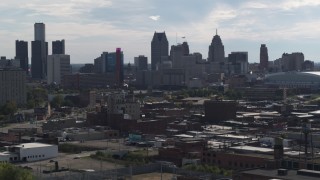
{"x":141,"y":62}
{"x":112,"y":63}
{"x":159,"y":48}
{"x":119,"y":66}
{"x":238,"y":63}
{"x":58,"y":47}
{"x":39,"y":52}
{"x":22,"y":54}
{"x":39,"y":32}
{"x":264,"y":58}
{"x":216,"y":50}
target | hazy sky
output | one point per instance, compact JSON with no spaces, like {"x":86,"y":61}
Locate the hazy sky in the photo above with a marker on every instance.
{"x":92,"y":26}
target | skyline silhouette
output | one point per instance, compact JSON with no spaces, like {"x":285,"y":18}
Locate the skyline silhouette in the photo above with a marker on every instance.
{"x":103,"y":25}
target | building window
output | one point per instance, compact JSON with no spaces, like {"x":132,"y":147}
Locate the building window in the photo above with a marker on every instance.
{"x":235,"y":164}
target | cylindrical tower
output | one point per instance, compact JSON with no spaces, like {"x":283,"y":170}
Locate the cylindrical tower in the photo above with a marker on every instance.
{"x":39,"y":32}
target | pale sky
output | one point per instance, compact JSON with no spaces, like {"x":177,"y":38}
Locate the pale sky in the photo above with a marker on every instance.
{"x":93,"y":26}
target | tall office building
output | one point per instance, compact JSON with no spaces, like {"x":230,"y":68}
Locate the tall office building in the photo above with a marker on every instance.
{"x":39,"y":32}
{"x":141,"y":62}
{"x":216,"y":50}
{"x":22,"y":54}
{"x":119,"y":66}
{"x":58,"y":47}
{"x":185,"y":48}
{"x":264,"y":58}
{"x":58,"y":66}
{"x":238,"y":63}
{"x":112,"y":63}
{"x":159,"y":48}
{"x":39,"y":52}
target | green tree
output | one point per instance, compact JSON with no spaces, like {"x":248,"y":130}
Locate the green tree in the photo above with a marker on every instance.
{"x":9,"y":171}
{"x":37,"y":96}
{"x":9,"y":108}
{"x":57,"y":101}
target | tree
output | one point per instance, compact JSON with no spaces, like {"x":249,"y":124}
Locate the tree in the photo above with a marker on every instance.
{"x":36,"y":96}
{"x":9,"y":171}
{"x":9,"y":108}
{"x":57,"y":101}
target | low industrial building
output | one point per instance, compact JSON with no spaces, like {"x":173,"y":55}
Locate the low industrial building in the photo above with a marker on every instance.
{"x":29,"y":152}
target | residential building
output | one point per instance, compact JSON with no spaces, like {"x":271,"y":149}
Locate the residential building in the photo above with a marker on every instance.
{"x":292,"y":62}
{"x":13,"y":86}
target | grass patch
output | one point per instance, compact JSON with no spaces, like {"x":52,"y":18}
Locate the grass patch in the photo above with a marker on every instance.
{"x":131,"y":158}
{"x":73,"y":148}
{"x":208,"y":169}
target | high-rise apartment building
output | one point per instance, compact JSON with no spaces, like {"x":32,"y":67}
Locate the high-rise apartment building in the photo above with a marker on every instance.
{"x":58,"y":47}
{"x":13,"y":86}
{"x":264,"y":58}
{"x":39,"y":52}
{"x":58,"y":65}
{"x":216,"y":50}
{"x":22,"y":54}
{"x":141,"y":62}
{"x":159,"y":48}
{"x":292,"y":62}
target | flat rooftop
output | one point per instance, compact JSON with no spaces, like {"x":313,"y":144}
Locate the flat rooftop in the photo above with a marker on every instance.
{"x":273,"y":174}
{"x":33,"y":145}
{"x":231,"y":136}
{"x":252,"y":148}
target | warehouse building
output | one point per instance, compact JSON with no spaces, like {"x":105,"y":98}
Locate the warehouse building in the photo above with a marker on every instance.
{"x":29,"y":152}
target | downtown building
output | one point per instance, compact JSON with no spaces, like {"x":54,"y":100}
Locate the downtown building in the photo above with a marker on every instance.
{"x":238,"y":63}
{"x":58,"y":47}
{"x":39,"y":53}
{"x":264,"y":58}
{"x":13,"y":85}
{"x":216,"y":56}
{"x":112,"y":63}
{"x":22,"y":54}
{"x":58,"y":65}
{"x":141,"y":62}
{"x":159,"y":49}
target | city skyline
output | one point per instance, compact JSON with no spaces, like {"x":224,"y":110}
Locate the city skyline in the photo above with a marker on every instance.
{"x":90,"y":28}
